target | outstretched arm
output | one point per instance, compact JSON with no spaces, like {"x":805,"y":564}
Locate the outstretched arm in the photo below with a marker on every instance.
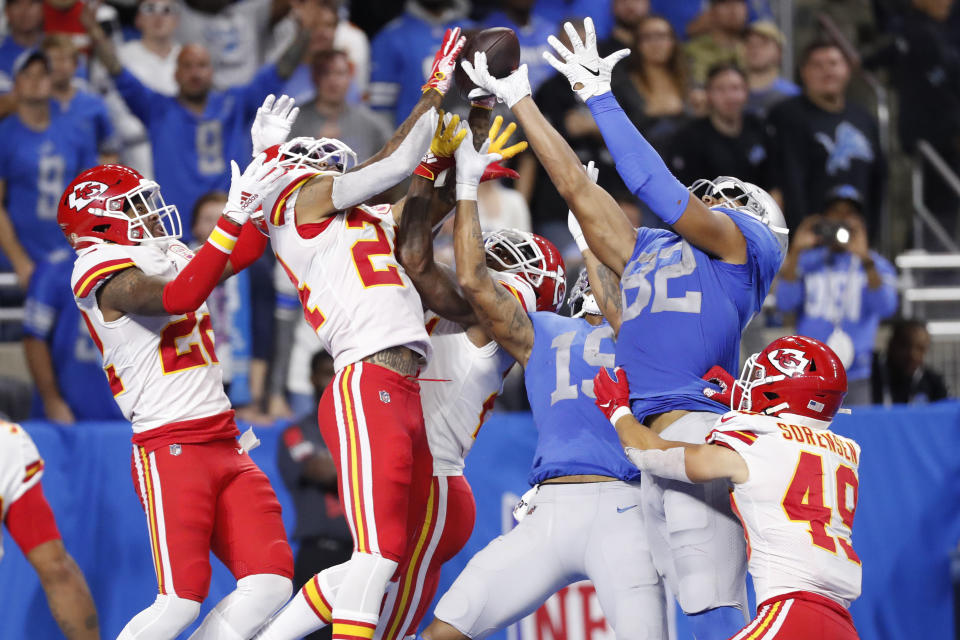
{"x":638,"y":163}
{"x":66,"y":589}
{"x":653,"y":454}
{"x":436,"y":285}
{"x":608,"y":231}
{"x":499,"y":312}
{"x":323,"y":196}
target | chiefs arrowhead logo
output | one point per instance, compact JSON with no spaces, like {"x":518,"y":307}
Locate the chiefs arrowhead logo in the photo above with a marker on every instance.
{"x":788,"y":361}
{"x":85,"y":193}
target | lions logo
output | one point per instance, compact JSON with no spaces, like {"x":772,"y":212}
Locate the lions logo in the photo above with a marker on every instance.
{"x":790,"y":362}
{"x":850,"y":144}
{"x":85,"y":193}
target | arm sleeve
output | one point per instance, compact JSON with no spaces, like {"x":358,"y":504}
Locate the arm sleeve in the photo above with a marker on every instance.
{"x":30,"y":520}
{"x":640,"y":166}
{"x":194,"y":284}
{"x":137,"y":96}
{"x":881,"y":301}
{"x":250,"y":246}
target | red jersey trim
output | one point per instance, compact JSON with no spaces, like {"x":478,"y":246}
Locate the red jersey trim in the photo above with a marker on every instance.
{"x":809,"y":596}
{"x":33,"y":469}
{"x":89,"y":280}
{"x":276,"y":215}
{"x":220,"y":426}
{"x":746,"y":437}
{"x":30,"y":520}
{"x":311,"y":230}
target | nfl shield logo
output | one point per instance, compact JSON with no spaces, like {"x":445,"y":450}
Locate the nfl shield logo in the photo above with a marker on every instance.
{"x":174,"y":449}
{"x":384,"y":397}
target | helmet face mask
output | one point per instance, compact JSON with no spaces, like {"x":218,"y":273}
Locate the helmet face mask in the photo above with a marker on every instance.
{"x":581,"y":299}
{"x":150,"y":218}
{"x":532,"y":257}
{"x":746,"y":197}
{"x":322,"y":154}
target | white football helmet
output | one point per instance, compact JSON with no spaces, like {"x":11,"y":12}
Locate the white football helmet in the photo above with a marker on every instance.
{"x":581,"y":299}
{"x":746,"y":197}
{"x":322,"y":154}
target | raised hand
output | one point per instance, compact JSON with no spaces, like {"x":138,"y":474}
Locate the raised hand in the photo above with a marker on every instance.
{"x":508,"y":90}
{"x":445,"y":61}
{"x":248,"y":189}
{"x":587,"y":72}
{"x":273,"y":122}
{"x":447,"y":137}
{"x":612,"y":393}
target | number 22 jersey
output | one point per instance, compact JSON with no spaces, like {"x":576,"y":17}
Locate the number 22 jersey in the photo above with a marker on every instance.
{"x":163,"y":370}
{"x":684,"y":311}
{"x":355,"y":295}
{"x":797,"y":505}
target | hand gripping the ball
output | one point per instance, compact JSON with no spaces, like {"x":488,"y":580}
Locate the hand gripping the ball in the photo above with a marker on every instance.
{"x":273,"y":122}
{"x":445,"y":61}
{"x":248,"y":189}
{"x":508,"y":90}
{"x":588,"y":73}
{"x":447,"y":137}
{"x":612,"y":393}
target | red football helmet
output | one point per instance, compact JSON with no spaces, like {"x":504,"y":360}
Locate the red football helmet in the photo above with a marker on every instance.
{"x":322,"y":154}
{"x":795,"y":374}
{"x":116,"y":204}
{"x":532,"y":257}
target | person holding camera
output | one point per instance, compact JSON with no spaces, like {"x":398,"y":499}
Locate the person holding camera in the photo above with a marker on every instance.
{"x":838,"y":287}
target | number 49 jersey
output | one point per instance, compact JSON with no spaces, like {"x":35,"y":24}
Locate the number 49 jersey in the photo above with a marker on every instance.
{"x":355,"y":295}
{"x":797,"y":506}
{"x":163,"y":370}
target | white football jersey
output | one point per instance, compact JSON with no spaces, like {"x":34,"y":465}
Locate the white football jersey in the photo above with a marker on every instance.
{"x":161,"y":369}
{"x":798,"y":504}
{"x":354,"y":293}
{"x":20,"y":467}
{"x":460,"y":385}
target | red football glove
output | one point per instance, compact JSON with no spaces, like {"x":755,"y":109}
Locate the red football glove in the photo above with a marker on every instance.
{"x":719,"y":376}
{"x":445,"y":62}
{"x":612,"y":394}
{"x":495,"y":171}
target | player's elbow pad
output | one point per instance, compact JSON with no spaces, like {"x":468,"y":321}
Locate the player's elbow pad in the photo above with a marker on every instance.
{"x":670,"y":463}
{"x":350,"y":189}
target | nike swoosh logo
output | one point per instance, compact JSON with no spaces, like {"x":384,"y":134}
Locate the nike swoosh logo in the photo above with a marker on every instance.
{"x":622,"y":509}
{"x":727,"y":419}
{"x":596,"y":73}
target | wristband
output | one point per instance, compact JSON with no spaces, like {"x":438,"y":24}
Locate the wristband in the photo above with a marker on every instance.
{"x":619,"y":413}
{"x":466,"y":191}
{"x":225,"y":235}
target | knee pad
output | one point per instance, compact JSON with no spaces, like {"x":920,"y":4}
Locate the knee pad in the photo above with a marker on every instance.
{"x":164,"y":619}
{"x":264,"y":593}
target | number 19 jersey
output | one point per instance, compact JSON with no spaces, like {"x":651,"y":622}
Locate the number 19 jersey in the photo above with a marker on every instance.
{"x":355,"y":295}
{"x":797,"y":505}
{"x":163,"y":369}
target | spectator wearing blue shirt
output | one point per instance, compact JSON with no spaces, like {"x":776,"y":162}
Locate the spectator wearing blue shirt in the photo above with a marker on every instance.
{"x":402,"y":53}
{"x":64,"y":361}
{"x":838,"y":287}
{"x":24,"y":30}
{"x":195,"y":134}
{"x":41,"y":153}
{"x":86,"y":109}
{"x":763,"y":51}
{"x":532,"y":31}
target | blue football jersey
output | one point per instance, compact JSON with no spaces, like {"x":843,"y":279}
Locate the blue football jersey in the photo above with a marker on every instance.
{"x":52,"y":315}
{"x":573,"y":435}
{"x":684,"y":311}
{"x":533,"y":43}
{"x":89,"y":111}
{"x":36,"y":166}
{"x":401,"y":56}
{"x":191,"y":152}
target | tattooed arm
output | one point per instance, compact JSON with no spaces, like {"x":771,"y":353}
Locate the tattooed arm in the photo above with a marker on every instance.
{"x":605,"y":287}
{"x":66,"y":589}
{"x":499,"y":312}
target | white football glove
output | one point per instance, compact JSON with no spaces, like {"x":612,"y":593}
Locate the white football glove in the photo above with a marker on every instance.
{"x":470,"y":166}
{"x":273,"y":122}
{"x":248,"y":189}
{"x":592,"y":172}
{"x":583,"y":66}
{"x":508,"y":90}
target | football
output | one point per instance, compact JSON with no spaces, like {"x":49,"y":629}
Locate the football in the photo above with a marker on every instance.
{"x":503,"y":55}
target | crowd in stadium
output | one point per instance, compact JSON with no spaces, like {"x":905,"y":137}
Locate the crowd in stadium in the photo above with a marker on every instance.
{"x":178,"y":91}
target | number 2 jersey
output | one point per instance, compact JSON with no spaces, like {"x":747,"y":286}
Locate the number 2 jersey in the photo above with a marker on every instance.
{"x":355,"y":295}
{"x":798,"y":504}
{"x":163,"y":370}
{"x":462,"y":382}
{"x":684,"y":311}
